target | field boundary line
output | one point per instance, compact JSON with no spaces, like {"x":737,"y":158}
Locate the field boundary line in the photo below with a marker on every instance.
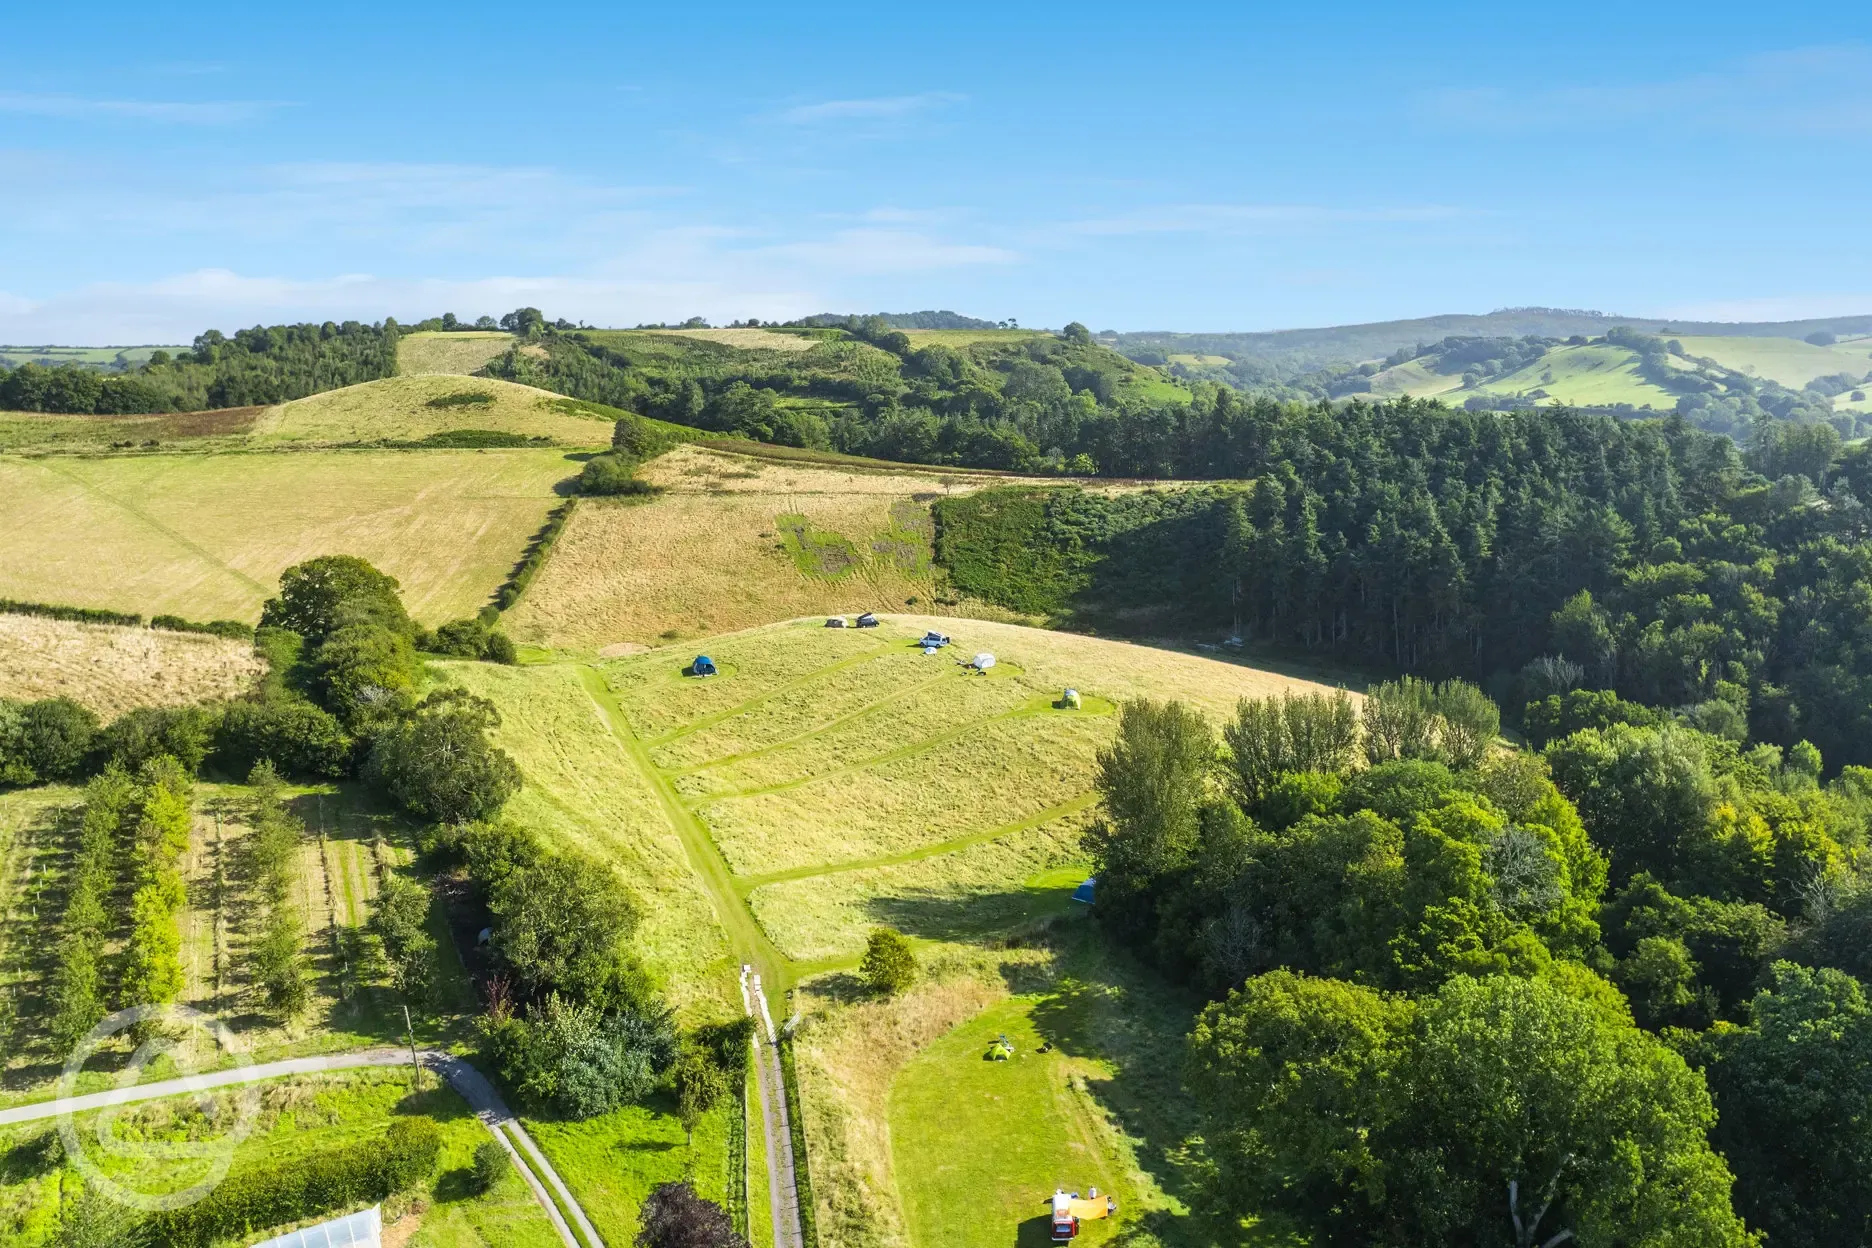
{"x":798,"y":682}
{"x":138,"y":513}
{"x":748,"y":883}
{"x":897,"y":755}
{"x":728,"y":760}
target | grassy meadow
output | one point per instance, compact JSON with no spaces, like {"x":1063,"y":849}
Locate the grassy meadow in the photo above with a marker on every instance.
{"x":411,"y":408}
{"x":461,"y":352}
{"x":733,"y":542}
{"x":612,"y":1162}
{"x":1789,"y":361}
{"x":112,"y":669}
{"x":206,"y":536}
{"x":97,"y":357}
{"x":1587,"y":376}
{"x":298,"y":1116}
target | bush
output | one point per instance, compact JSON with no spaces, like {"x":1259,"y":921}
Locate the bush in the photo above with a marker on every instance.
{"x":184,"y":733}
{"x":472,"y":639}
{"x":675,"y":1217}
{"x":82,"y":615}
{"x":296,"y":736}
{"x":56,"y":736}
{"x":889,"y":966}
{"x":491,"y":1165}
{"x":611,"y":475}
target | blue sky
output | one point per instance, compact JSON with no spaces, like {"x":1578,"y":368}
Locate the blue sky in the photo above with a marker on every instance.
{"x":1189,"y":167}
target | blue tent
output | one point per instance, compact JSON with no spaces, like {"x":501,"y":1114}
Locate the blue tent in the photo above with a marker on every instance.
{"x":703,"y":666}
{"x":1084,"y":891}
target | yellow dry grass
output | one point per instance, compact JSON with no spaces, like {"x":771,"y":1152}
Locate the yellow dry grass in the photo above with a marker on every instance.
{"x":746,"y":339}
{"x":112,"y":669}
{"x":401,"y":409}
{"x":581,"y":791}
{"x":461,"y":352}
{"x":206,"y":536}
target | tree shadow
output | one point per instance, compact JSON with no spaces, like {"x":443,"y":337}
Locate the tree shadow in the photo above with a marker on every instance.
{"x":968,"y":916}
{"x":455,"y":1185}
{"x":1104,"y":1007}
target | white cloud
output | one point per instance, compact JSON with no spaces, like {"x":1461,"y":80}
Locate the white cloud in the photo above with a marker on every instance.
{"x":197,"y":113}
{"x":876,"y":251}
{"x":1247,"y":218}
{"x":1817,"y":90}
{"x":880,"y":106}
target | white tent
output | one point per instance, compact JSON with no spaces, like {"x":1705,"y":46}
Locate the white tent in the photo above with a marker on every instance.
{"x":983,"y":661}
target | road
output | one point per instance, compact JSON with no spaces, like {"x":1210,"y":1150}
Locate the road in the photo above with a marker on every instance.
{"x":470,"y":1084}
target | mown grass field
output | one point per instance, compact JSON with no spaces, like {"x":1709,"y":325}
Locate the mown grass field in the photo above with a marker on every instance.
{"x":460,"y":352}
{"x":410,"y":408}
{"x":107,"y":357}
{"x":112,"y":669}
{"x":840,"y":777}
{"x":351,"y":844}
{"x":206,"y":536}
{"x":298,"y":1117}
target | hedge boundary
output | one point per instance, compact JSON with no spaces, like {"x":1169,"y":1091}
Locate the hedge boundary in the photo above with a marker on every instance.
{"x":535,"y":557}
{"x":126,"y":619}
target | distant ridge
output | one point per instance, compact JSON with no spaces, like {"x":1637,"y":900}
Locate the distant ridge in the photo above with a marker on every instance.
{"x":909,"y":320}
{"x":1373,"y":340}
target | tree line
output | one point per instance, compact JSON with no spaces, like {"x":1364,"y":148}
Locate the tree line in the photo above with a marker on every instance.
{"x":1611,"y":992}
{"x":1536,"y":553}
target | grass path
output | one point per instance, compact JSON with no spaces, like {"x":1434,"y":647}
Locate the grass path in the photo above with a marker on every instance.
{"x":798,"y":682}
{"x":745,"y":935}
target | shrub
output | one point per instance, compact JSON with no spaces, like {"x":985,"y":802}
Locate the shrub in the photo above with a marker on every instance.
{"x":296,"y":736}
{"x":56,"y":736}
{"x":611,"y":475}
{"x":675,"y":1217}
{"x":184,"y":733}
{"x":889,"y":966}
{"x":491,"y":1165}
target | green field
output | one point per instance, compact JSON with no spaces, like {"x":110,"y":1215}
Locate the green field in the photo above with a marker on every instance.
{"x":97,"y":357}
{"x":830,"y":780}
{"x":969,"y":337}
{"x":612,"y":1162}
{"x":1585,"y":376}
{"x":206,"y":536}
{"x":1789,"y":361}
{"x":298,"y":1116}
{"x":978,"y":1147}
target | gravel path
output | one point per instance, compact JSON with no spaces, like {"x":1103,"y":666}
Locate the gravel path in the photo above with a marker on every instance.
{"x":470,"y":1084}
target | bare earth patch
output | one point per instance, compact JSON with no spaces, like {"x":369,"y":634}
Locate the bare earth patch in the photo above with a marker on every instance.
{"x":112,"y":669}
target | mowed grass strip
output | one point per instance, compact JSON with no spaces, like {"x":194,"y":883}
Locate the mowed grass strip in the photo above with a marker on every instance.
{"x":582,"y":791}
{"x":206,"y":536}
{"x":968,"y":892}
{"x":112,"y":669}
{"x":408,"y":409}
